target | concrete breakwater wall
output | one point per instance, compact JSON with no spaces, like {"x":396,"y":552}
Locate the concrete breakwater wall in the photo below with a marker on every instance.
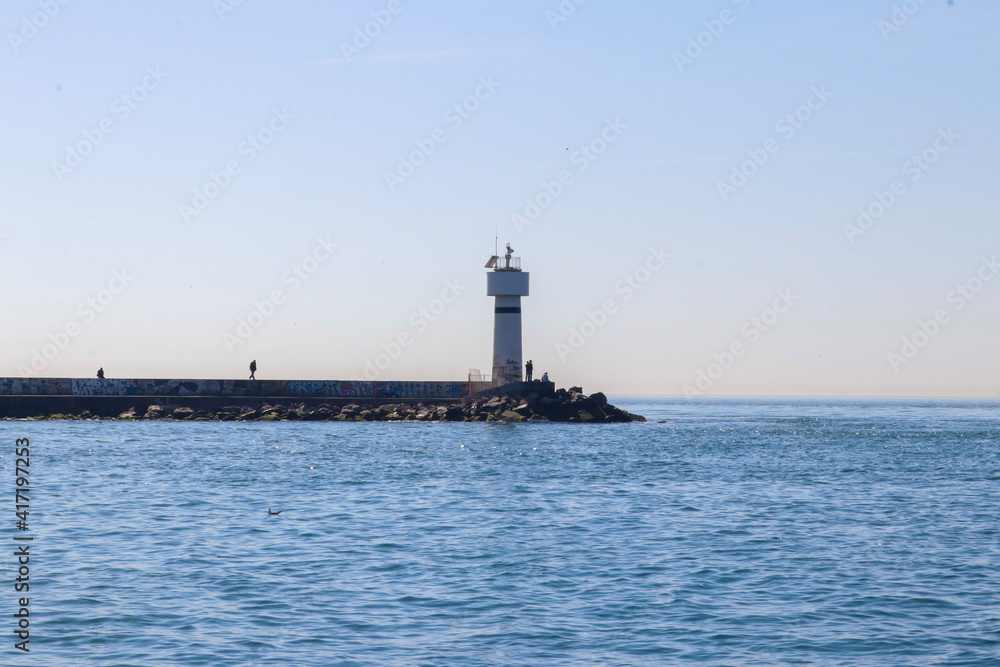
{"x":236,"y":388}
{"x":30,"y":397}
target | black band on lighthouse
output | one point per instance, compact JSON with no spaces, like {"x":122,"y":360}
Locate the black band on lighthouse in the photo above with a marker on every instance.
{"x":507,"y":309}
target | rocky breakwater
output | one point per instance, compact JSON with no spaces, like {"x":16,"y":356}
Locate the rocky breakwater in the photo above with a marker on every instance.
{"x":562,"y":406}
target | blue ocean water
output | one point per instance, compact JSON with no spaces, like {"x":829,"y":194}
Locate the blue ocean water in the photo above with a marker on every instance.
{"x":738,"y":532}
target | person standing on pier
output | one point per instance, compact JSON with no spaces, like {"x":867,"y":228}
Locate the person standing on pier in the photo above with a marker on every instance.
{"x":528,"y":368}
{"x":253,"y":369}
{"x":100,"y":373}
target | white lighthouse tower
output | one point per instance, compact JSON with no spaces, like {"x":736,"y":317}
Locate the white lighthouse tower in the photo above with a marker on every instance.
{"x":508,"y":284}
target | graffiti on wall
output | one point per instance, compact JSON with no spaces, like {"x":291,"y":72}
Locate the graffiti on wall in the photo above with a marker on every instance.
{"x":181,"y":387}
{"x":235,"y":388}
{"x":332,"y":388}
{"x":34,"y":386}
{"x":101,"y":387}
{"x":428,"y":390}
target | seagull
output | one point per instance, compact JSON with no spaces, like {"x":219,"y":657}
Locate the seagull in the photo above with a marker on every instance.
{"x":270,"y":513}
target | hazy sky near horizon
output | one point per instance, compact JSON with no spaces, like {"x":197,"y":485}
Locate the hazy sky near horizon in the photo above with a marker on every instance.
{"x":168,"y":168}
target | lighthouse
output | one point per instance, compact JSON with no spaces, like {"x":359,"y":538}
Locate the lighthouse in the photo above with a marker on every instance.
{"x":507,"y":283}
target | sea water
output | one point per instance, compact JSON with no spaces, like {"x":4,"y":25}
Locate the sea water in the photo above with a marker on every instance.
{"x":736,"y":532}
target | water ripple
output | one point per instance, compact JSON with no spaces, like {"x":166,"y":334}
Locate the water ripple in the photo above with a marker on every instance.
{"x":740,"y":532}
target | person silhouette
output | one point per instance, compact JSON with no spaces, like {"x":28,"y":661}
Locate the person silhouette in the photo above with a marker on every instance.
{"x":253,"y":369}
{"x":528,"y":368}
{"x":100,"y":373}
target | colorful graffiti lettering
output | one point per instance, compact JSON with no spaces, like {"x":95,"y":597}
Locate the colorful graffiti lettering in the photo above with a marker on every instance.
{"x":332,"y":388}
{"x":96,"y":387}
{"x":420,"y":389}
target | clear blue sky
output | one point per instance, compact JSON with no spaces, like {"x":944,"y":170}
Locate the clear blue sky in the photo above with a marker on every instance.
{"x":345,"y":117}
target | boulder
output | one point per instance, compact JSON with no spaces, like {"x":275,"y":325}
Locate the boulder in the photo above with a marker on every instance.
{"x":598,"y":400}
{"x":182,"y":413}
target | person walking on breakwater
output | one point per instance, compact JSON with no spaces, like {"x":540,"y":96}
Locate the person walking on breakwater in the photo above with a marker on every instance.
{"x":528,"y":368}
{"x":253,"y":369}
{"x":100,"y":373}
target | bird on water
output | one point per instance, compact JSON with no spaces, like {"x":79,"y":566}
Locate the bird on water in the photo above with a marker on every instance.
{"x":270,"y":513}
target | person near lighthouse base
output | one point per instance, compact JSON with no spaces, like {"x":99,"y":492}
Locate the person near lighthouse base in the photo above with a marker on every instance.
{"x":528,"y":368}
